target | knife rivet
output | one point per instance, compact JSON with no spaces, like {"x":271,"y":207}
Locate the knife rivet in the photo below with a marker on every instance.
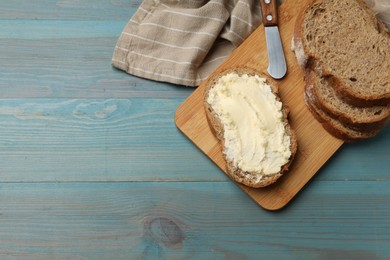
{"x":269,"y":18}
{"x":267,"y":1}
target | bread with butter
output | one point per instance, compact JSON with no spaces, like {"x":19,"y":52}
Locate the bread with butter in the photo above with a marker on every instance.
{"x":246,"y":114}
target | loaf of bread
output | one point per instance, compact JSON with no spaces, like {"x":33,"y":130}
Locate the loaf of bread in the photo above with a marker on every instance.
{"x":346,"y":41}
{"x":246,"y":114}
{"x":345,"y":54}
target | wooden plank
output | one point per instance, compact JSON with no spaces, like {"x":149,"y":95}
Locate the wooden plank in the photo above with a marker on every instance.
{"x":315,"y":145}
{"x":130,"y":140}
{"x":364,"y":160}
{"x":68,"y":9}
{"x":64,"y":49}
{"x":58,"y":29}
{"x":191,"y":220}
{"x":69,"y":59}
{"x":96,"y":140}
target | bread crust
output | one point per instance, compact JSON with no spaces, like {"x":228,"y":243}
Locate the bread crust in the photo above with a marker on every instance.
{"x":333,"y":126}
{"x":247,"y":178}
{"x":364,"y":125}
{"x":311,"y":60}
{"x":337,"y":122}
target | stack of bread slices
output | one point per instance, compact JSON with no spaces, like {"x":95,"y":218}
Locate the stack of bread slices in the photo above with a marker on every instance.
{"x":345,"y":53}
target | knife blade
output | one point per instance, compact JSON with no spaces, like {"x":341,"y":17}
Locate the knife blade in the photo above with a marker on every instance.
{"x":277,"y":67}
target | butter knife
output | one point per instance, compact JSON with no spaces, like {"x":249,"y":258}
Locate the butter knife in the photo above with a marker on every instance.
{"x":276,"y":61}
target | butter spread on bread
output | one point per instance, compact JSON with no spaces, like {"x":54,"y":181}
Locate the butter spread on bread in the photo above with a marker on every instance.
{"x":251,"y":122}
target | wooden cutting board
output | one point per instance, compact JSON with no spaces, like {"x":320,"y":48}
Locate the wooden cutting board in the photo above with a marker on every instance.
{"x":315,"y":145}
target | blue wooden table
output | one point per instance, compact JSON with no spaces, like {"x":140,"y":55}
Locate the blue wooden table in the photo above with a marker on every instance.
{"x":93,"y":167}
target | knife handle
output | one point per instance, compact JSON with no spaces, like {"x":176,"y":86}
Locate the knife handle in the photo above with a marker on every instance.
{"x":269,"y":11}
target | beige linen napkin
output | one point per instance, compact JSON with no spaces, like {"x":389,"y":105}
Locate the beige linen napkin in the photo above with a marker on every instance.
{"x":182,"y":42}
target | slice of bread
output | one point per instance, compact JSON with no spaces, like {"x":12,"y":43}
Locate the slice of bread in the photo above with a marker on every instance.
{"x":246,"y":114}
{"x":334,"y":126}
{"x":349,"y":44}
{"x":358,"y":118}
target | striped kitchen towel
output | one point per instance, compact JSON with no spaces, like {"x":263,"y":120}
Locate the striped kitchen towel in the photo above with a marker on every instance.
{"x":182,"y":42}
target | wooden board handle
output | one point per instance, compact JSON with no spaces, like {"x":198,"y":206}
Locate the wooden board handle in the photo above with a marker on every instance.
{"x":270,"y":13}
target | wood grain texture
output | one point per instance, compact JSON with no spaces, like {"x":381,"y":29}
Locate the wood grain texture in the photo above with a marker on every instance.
{"x":154,"y":221}
{"x":93,"y":167}
{"x":130,"y":140}
{"x":69,"y":59}
{"x":68,"y":9}
{"x":315,"y":145}
{"x":96,"y":140}
{"x":269,"y":11}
